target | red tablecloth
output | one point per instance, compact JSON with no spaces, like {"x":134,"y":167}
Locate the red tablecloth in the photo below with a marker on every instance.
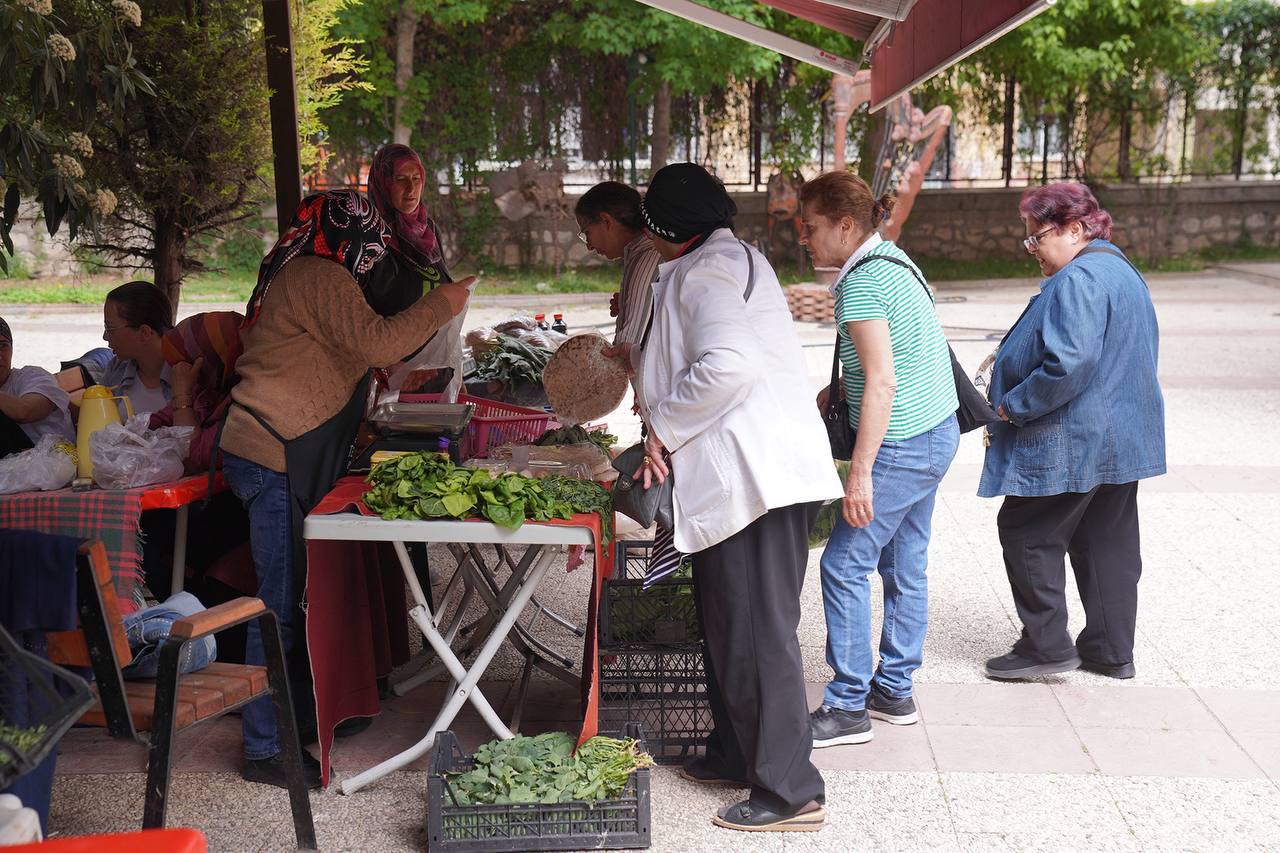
{"x":113,"y":516}
{"x":357,"y":625}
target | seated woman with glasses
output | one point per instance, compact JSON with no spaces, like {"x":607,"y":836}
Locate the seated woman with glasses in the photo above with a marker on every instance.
{"x":609,"y":220}
{"x":135,"y":317}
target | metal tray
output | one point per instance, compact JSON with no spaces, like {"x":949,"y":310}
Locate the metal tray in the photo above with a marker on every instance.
{"x":422,"y":417}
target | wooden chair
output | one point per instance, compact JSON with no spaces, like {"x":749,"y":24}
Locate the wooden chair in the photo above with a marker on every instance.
{"x":154,"y":710}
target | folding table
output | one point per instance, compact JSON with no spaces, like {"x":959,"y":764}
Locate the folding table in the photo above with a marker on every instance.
{"x":543,"y":542}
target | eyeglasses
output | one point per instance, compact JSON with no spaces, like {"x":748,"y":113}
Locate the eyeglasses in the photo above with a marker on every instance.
{"x":1033,"y":242}
{"x":108,"y":330}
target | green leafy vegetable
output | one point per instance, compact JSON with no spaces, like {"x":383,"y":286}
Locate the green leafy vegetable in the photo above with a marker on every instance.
{"x":545,"y":769}
{"x":21,"y":739}
{"x":578,"y":435}
{"x":513,"y":362}
{"x":583,"y":496}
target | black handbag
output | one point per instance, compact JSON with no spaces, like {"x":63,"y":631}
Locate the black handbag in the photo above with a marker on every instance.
{"x":632,"y":499}
{"x":836,"y":415}
{"x":974,"y":410}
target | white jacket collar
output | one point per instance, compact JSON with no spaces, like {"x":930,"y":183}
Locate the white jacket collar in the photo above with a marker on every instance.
{"x":719,"y":236}
{"x":858,"y":254}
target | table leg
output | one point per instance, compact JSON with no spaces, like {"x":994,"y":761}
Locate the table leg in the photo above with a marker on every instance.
{"x":180,"y":550}
{"x":468,"y":684}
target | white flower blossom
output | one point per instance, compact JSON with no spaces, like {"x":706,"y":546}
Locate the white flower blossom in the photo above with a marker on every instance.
{"x":102,"y":203}
{"x":61,"y":47}
{"x":81,"y":144}
{"x":67,"y":166}
{"x":128,"y":12}
{"x":40,"y":7}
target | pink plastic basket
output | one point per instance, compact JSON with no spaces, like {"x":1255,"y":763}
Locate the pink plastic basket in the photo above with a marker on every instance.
{"x":494,"y":424}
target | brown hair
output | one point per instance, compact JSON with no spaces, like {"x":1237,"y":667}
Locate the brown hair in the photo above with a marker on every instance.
{"x":836,"y":195}
{"x":141,"y":303}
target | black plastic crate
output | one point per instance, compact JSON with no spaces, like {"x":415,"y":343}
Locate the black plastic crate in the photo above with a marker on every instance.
{"x":665,"y":613}
{"x":664,"y":689}
{"x":631,"y":559}
{"x":621,"y":823}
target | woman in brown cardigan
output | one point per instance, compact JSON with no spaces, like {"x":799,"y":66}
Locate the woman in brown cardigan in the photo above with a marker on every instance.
{"x":314,"y":329}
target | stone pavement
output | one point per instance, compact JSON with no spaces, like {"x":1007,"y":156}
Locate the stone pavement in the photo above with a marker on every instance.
{"x":1184,"y":757}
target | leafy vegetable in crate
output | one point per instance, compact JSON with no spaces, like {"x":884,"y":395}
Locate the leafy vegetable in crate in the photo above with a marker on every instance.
{"x":577,"y":435}
{"x":21,"y":739}
{"x":513,"y":362}
{"x":545,"y":769}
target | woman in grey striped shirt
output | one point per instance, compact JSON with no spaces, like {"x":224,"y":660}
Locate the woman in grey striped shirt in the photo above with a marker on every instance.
{"x":609,"y":223}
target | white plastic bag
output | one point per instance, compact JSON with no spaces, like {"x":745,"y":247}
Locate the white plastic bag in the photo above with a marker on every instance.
{"x":51,"y":464}
{"x":129,"y":455}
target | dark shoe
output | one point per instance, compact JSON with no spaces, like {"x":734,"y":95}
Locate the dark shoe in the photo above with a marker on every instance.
{"x":834,"y":727}
{"x":704,"y":773}
{"x":1014,"y":666}
{"x":351,"y":727}
{"x":270,"y":771}
{"x":1110,"y":670}
{"x":753,"y":818}
{"x":882,"y":706}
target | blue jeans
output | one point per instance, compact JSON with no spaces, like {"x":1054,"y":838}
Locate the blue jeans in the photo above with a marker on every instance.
{"x":265,"y":495}
{"x":905,"y":481}
{"x":148,"y":630}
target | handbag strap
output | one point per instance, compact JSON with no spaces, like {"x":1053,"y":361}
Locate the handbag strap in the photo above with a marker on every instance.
{"x":835,"y":359}
{"x":1107,"y":250}
{"x":746,"y":295}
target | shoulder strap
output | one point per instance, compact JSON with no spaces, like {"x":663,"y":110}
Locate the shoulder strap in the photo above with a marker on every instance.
{"x":746,"y":295}
{"x":1107,"y":250}
{"x":891,"y":259}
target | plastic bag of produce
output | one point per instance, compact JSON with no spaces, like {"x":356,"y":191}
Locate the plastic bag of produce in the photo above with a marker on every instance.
{"x":129,"y":455}
{"x":51,"y":464}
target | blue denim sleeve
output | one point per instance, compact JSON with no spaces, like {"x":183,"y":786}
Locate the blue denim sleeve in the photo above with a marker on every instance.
{"x":1074,"y":325}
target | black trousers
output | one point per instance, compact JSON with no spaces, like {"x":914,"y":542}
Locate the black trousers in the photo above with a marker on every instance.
{"x":748,"y":593}
{"x":1099,"y":529}
{"x":12,"y":437}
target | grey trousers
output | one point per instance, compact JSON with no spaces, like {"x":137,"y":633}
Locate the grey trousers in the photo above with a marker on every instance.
{"x":748,"y":594}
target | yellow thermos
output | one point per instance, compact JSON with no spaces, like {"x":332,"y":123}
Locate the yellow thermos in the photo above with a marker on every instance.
{"x":97,"y":409}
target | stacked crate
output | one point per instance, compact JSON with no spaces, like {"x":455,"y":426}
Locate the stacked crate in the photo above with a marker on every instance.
{"x":811,"y":303}
{"x":651,"y":669}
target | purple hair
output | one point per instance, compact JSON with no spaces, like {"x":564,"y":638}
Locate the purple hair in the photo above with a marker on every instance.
{"x":1061,"y":204}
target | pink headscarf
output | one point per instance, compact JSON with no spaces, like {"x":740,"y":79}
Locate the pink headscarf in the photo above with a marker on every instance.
{"x":414,"y":233}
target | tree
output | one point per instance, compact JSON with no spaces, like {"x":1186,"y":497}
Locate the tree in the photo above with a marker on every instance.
{"x":82,"y":71}
{"x":190,"y":161}
{"x":326,"y":67}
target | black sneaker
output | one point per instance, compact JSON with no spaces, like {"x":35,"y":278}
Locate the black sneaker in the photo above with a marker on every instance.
{"x":270,"y":771}
{"x":1110,"y":670}
{"x":834,"y":727}
{"x":704,"y":773}
{"x":891,"y":709}
{"x":1013,"y":666}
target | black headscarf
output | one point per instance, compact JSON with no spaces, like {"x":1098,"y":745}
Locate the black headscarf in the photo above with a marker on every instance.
{"x":684,"y":201}
{"x":5,"y":333}
{"x":343,"y":227}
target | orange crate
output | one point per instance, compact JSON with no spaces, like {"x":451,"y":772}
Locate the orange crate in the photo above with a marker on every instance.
{"x":493,"y":424}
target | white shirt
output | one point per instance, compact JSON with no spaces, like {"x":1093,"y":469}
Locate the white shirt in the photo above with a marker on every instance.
{"x":37,"y":380}
{"x":858,"y":254}
{"x":723,"y":383}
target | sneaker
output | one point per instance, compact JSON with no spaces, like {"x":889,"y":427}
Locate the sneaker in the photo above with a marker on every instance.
{"x":882,"y":706}
{"x":749,"y":817}
{"x":704,"y":773}
{"x":834,"y":727}
{"x":1013,"y":666}
{"x":1110,"y":670}
{"x":270,"y":771}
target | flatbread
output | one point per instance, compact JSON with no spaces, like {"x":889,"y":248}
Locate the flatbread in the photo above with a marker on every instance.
{"x":583,"y":384}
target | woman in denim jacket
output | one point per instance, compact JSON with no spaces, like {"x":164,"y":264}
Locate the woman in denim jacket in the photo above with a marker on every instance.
{"x":1075,"y":383}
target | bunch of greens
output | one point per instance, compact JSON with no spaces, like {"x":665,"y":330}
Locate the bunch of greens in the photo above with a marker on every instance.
{"x":21,"y":739}
{"x":424,"y":485}
{"x":583,"y":496}
{"x":578,"y":435}
{"x":826,"y":520}
{"x":545,"y":769}
{"x":513,"y":362}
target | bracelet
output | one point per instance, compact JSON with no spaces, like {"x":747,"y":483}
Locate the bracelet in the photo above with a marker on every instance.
{"x":181,"y":403}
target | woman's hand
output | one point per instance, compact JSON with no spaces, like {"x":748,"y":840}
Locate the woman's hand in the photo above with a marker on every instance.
{"x":183,"y":377}
{"x":623,"y":353}
{"x":1000,"y":412}
{"x":654,"y":469}
{"x":457,"y":293}
{"x":614,"y":300}
{"x":858,"y":498}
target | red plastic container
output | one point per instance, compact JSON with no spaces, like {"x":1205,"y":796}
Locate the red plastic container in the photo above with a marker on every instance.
{"x":494,"y":424}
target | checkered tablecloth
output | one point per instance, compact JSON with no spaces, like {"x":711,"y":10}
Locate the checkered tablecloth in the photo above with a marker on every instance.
{"x":114,"y":517}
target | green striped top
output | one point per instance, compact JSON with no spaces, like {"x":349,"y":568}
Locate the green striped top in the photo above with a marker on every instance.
{"x":926,"y":391}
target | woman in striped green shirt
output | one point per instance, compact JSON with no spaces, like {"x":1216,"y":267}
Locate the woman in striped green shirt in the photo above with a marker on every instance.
{"x":902,"y":401}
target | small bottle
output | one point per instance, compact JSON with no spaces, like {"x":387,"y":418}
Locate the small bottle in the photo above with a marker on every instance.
{"x":541,"y":321}
{"x":559,"y":326}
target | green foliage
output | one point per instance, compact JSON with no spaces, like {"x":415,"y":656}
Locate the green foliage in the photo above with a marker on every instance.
{"x":513,"y":362}
{"x":546,"y":769}
{"x":65,"y":74}
{"x":23,"y":739}
{"x":326,"y":67}
{"x":16,"y":269}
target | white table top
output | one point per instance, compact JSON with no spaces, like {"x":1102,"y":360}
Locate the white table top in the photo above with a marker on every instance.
{"x":363,"y":528}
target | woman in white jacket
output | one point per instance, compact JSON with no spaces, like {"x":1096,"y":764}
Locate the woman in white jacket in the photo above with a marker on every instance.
{"x":724,"y":393}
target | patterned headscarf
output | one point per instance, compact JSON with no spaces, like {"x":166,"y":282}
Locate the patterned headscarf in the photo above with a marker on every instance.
{"x":213,"y":336}
{"x":414,"y":233}
{"x":339,"y":226}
